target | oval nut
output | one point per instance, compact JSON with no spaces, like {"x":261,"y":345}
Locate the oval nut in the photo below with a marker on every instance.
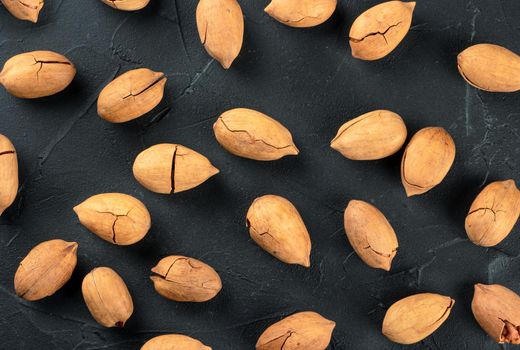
{"x":107,"y":297}
{"x":380,"y":29}
{"x":185,"y":279}
{"x":254,"y":135}
{"x":494,"y":213}
{"x":413,"y":318}
{"x":115,"y":217}
{"x":301,"y":13}
{"x":46,"y":269}
{"x":170,"y":168}
{"x":301,"y":331}
{"x":490,"y":68}
{"x":8,"y":173}
{"x":275,"y":225}
{"x":427,"y":160}
{"x":370,"y":234}
{"x":37,"y":74}
{"x":373,"y":135}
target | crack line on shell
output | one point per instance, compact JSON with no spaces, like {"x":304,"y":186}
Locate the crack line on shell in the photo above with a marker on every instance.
{"x":468,"y":80}
{"x":485,"y":209}
{"x":173,"y":263}
{"x":205,"y":34}
{"x":404,"y":173}
{"x":148,"y":87}
{"x":255,"y":140}
{"x":380,"y":253}
{"x":7,"y":152}
{"x":303,"y":17}
{"x":42,"y":62}
{"x":103,"y":302}
{"x":165,"y":276}
{"x":288,"y":334}
{"x":262,"y":233}
{"x":114,"y":2}
{"x":172,"y":175}
{"x":29,"y":6}
{"x":188,"y":284}
{"x":116,"y":216}
{"x":429,"y":187}
{"x":445,"y":311}
{"x":350,"y":126}
{"x":483,"y":236}
{"x":375,"y":33}
{"x":286,"y":339}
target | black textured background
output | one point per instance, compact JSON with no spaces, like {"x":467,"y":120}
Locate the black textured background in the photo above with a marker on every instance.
{"x":307,"y":79}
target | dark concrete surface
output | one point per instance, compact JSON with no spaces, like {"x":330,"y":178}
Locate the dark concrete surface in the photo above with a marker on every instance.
{"x":308,"y":80}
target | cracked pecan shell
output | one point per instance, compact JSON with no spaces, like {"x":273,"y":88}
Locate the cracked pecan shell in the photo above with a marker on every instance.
{"x":494,"y":213}
{"x":373,"y":135}
{"x":301,"y":331}
{"x":497,"y":310}
{"x":185,"y":279}
{"x":427,"y":160}
{"x":107,"y":297}
{"x":46,"y":268}
{"x":254,"y":135}
{"x":301,"y":13}
{"x":27,"y":10}
{"x":170,"y":168}
{"x":174,"y":342}
{"x":8,"y":173}
{"x":131,"y":95}
{"x":413,"y":318}
{"x":275,"y":225}
{"x":37,"y":74}
{"x":490,"y":67}
{"x":115,"y":217}
{"x":370,"y":234}
{"x":380,"y":29}
{"x":220,"y":24}
{"x":127,"y":5}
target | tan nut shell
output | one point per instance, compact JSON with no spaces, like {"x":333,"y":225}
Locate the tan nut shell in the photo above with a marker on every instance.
{"x":370,"y":234}
{"x":490,"y":67}
{"x":413,"y":318}
{"x":185,"y":279}
{"x":301,"y":331}
{"x":301,"y":13}
{"x":107,"y":297}
{"x":373,"y":135}
{"x":27,"y":10}
{"x":37,"y":74}
{"x":221,"y":29}
{"x":153,"y":168}
{"x":497,"y":310}
{"x":276,"y":226}
{"x":380,"y":29}
{"x":174,"y":342}
{"x":427,"y":160}
{"x":8,"y":173}
{"x":46,"y":268}
{"x":127,"y":5}
{"x":494,"y":213}
{"x":115,"y":217}
{"x":254,"y":135}
{"x":131,"y":95}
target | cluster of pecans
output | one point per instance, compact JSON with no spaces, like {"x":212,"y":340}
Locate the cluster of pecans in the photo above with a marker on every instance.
{"x":273,"y":221}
